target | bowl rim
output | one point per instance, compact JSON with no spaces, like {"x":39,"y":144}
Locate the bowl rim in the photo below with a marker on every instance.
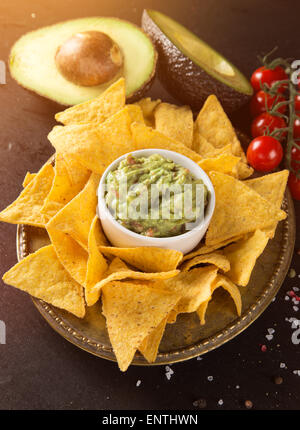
{"x":164,"y":152}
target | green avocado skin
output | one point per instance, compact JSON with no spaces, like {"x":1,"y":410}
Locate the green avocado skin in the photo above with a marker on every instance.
{"x":185,"y":80}
{"x":138,"y":94}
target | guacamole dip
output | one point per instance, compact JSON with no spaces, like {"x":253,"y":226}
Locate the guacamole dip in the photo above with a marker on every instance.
{"x":154,"y":196}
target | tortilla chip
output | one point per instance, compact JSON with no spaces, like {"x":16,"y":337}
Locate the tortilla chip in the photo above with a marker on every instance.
{"x":116,"y":265}
{"x":136,"y":113}
{"x":243,"y":255}
{"x":28,"y":178}
{"x":201,"y":311}
{"x":172,"y":316}
{"x":96,"y":147}
{"x":63,"y":188}
{"x":132,"y":312}
{"x":118,"y":271}
{"x":228,"y":164}
{"x":148,"y":106}
{"x":272,"y":188}
{"x":225,"y":150}
{"x":96,"y":265}
{"x":223,"y":163}
{"x":243,"y":170}
{"x":147,"y":138}
{"x":78,"y":174}
{"x":232,"y":239}
{"x":202,"y":249}
{"x":224,"y":282}
{"x":76,"y":217}
{"x":148,"y":259}
{"x":175,"y":122}
{"x":97,"y":110}
{"x":149,"y":346}
{"x":133,"y":275}
{"x":71,"y":255}
{"x":213,"y":124}
{"x":42,"y":275}
{"x":249,"y":212}
{"x":193,"y":286}
{"x":80,"y":142}
{"x":26,"y":209}
{"x":206,"y":149}
{"x":203,"y":147}
{"x":218,"y":259}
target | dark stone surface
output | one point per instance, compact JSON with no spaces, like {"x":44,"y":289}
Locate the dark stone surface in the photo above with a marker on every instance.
{"x":38,"y":368}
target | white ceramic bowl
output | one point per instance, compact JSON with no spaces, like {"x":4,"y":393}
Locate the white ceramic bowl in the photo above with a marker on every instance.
{"x":124,"y":238}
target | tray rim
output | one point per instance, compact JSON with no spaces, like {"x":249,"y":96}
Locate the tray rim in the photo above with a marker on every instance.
{"x":206,"y":345}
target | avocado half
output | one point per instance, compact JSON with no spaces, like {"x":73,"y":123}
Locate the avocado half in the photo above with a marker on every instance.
{"x":190,"y":69}
{"x":32,"y":59}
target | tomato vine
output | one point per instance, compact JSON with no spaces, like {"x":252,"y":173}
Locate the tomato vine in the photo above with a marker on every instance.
{"x":289,"y":89}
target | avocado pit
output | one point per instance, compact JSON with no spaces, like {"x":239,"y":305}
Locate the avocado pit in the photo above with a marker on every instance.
{"x":89,"y":58}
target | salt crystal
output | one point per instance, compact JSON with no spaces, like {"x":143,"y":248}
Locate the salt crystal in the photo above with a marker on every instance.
{"x":269,"y":336}
{"x":138,"y":383}
{"x":210,"y":378}
{"x":169,"y":372}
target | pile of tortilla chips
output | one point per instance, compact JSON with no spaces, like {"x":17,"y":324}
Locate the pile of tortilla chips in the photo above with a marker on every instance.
{"x":141,"y":289}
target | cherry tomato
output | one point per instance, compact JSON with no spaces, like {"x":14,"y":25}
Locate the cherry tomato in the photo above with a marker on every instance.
{"x":266,"y":122}
{"x":297,"y":128}
{"x":264,"y":153}
{"x":297,"y":103}
{"x":295,"y":154}
{"x":259,"y":101}
{"x":294,"y":186}
{"x":262,"y":75}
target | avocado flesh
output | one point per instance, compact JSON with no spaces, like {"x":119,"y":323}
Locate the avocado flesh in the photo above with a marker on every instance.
{"x":190,"y":69}
{"x":32,"y":59}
